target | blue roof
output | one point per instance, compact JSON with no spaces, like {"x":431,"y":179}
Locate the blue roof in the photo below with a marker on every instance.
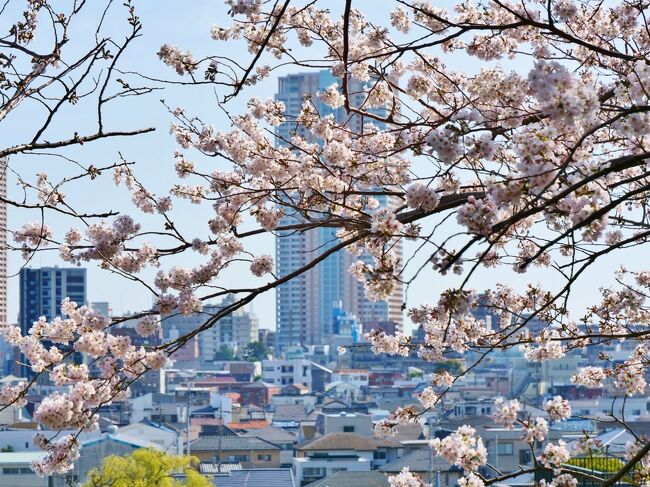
{"x":574,"y":425}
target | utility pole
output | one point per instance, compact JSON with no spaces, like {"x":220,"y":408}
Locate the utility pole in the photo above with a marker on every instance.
{"x":221,"y":431}
{"x":189,"y":405}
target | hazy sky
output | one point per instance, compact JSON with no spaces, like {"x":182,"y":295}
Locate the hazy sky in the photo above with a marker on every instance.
{"x":186,"y":24}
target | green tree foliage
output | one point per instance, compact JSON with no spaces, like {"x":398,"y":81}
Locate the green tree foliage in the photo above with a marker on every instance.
{"x":224,"y":353}
{"x":255,"y":351}
{"x":452,"y":366}
{"x":146,"y":468}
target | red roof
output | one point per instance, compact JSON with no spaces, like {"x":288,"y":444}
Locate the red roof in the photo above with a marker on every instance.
{"x":254,"y":424}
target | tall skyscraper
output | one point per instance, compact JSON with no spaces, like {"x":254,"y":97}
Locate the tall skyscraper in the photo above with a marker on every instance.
{"x":304,"y":305}
{"x":3,"y":242}
{"x":42,"y":290}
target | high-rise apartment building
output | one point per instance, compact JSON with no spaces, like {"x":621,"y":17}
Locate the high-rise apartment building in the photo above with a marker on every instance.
{"x":42,"y":290}
{"x":235,"y":330}
{"x":304,"y":305}
{"x":41,"y":293}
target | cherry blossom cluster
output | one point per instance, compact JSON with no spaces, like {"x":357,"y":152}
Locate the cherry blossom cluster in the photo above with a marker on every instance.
{"x":558,"y":408}
{"x":405,"y":479}
{"x":182,"y":62}
{"x":262,"y":265}
{"x":554,"y":455}
{"x":47,"y":348}
{"x":505,"y":413}
{"x":462,"y":448}
{"x":535,"y":430}
{"x":421,"y":196}
{"x":539,"y":157}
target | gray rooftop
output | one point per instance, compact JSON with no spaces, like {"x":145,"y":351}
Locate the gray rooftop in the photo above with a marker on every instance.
{"x":259,"y":477}
{"x":272,"y":434}
{"x":353,"y":479}
{"x":418,"y":461}
{"x":232,"y":443}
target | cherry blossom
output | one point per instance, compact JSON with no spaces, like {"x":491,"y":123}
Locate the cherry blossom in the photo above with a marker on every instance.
{"x":558,"y":408}
{"x":535,"y":159}
{"x":505,"y":413}
{"x":262,"y":265}
{"x":462,"y":448}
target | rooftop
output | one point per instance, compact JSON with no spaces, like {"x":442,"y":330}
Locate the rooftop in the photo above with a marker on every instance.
{"x":274,"y":435}
{"x":340,"y":441}
{"x":418,"y":461}
{"x":353,"y":479}
{"x":25,"y":457}
{"x":259,"y":477}
{"x":230,"y":443}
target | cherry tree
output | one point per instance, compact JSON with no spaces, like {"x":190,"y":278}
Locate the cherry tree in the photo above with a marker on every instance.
{"x":535,"y":159}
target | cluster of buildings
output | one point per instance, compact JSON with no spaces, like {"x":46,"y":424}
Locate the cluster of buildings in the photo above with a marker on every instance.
{"x":308,"y":419}
{"x":301,"y":414}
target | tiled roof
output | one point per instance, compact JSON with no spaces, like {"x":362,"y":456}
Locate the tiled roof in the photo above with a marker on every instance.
{"x":259,"y":477}
{"x":211,"y":443}
{"x":253,"y":424}
{"x":274,"y":435}
{"x":353,"y":479}
{"x":295,"y":412}
{"x":340,"y":441}
{"x":407,"y":431}
{"x":418,"y":461}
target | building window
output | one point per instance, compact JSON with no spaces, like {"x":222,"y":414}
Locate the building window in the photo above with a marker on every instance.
{"x":379,"y":455}
{"x":525,"y":457}
{"x":504,"y":448}
{"x":238,"y":458}
{"x":17,"y":471}
{"x":348,"y":429}
{"x":313,"y":472}
{"x":264,"y":458}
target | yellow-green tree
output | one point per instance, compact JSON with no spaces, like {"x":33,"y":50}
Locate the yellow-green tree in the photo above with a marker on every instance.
{"x":146,"y":468}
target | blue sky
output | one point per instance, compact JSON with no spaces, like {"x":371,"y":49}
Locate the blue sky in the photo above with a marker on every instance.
{"x":187,"y":24}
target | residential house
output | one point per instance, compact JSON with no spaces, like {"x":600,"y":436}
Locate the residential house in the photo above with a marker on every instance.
{"x":258,"y":393}
{"x":15,"y":470}
{"x":167,"y":438}
{"x":432,"y":469}
{"x":357,"y":377}
{"x":294,"y":394}
{"x":344,"y":422}
{"x":285,"y":440}
{"x":249,"y":451}
{"x":332,"y":453}
{"x":283,"y":372}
